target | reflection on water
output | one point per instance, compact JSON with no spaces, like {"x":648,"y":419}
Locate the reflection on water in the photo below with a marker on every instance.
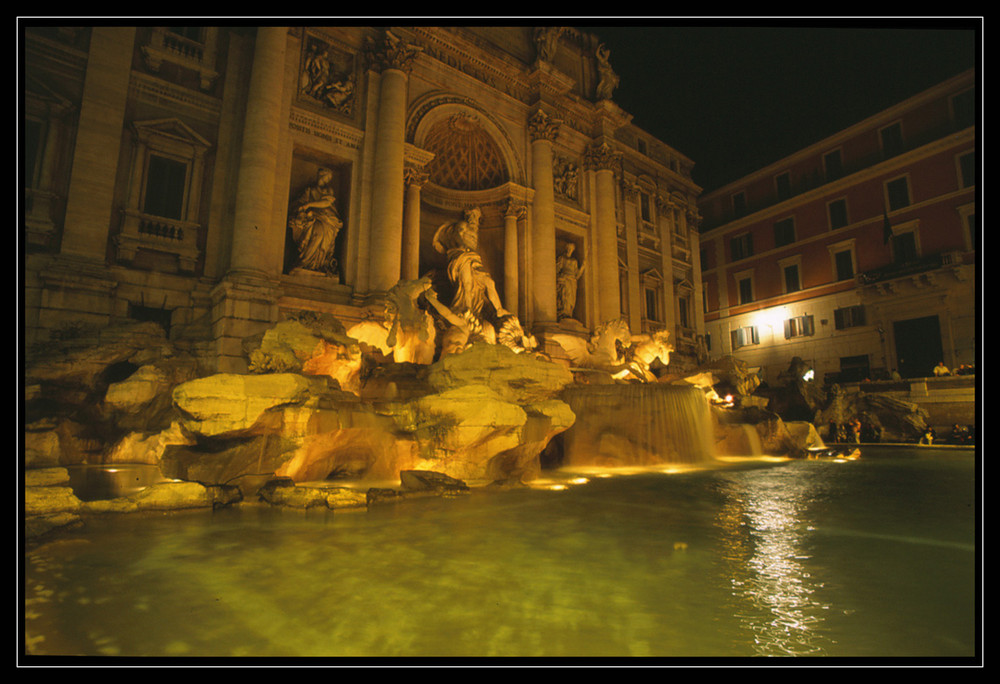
{"x":765,"y":526}
{"x":868,"y":558}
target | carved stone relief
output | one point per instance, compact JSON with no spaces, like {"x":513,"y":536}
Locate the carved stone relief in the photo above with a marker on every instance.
{"x":327,"y":76}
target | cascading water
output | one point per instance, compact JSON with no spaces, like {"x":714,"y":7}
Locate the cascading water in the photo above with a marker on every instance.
{"x":638,"y":425}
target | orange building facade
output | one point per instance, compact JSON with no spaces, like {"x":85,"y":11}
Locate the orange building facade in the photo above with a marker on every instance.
{"x":855,"y":254}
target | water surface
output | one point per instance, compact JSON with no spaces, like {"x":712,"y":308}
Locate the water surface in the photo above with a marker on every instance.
{"x":867,"y":558}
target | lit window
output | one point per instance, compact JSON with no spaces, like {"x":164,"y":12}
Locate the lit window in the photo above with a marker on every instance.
{"x":799,"y":326}
{"x":745,"y":336}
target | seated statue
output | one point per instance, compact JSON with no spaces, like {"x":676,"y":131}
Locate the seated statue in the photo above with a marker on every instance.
{"x":314,"y":224}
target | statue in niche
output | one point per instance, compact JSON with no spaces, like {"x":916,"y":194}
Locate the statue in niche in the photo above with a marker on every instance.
{"x":568,"y":274}
{"x":474,"y":287}
{"x":314,"y":225}
{"x":476,"y":313}
{"x":608,"y":80}
{"x":547,"y":41}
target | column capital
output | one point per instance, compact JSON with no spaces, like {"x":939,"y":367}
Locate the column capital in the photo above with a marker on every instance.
{"x":601,"y":157}
{"x":515,"y":209}
{"x":541,"y":126}
{"x":390,"y":52}
{"x":415,"y":176}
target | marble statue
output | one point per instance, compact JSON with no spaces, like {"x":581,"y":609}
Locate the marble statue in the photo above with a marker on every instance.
{"x":614,"y":349}
{"x":547,"y":41}
{"x":474,"y":287}
{"x":644,"y":350}
{"x":314,"y":225}
{"x":568,"y":274}
{"x":411,"y":334}
{"x":608,"y":78}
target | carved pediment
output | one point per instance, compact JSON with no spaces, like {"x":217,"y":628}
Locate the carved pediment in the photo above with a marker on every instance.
{"x":171,"y":129}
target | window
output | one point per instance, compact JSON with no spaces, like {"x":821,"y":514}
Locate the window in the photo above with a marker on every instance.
{"x":741,"y":337}
{"x":791,"y":278}
{"x":783,"y":186}
{"x":799,"y":326}
{"x":837,"y":213}
{"x":741,"y":247}
{"x":784,"y":232}
{"x":162,"y":209}
{"x":652,"y":304}
{"x":640,"y":145}
{"x":844,"y":264}
{"x":644,"y":209}
{"x":682,"y":312}
{"x":745,"y":290}
{"x":904,"y":247}
{"x":963,"y":109}
{"x":834,"y":165}
{"x":166,"y":179}
{"x":898,"y":193}
{"x":891,"y":138}
{"x":849,"y":317}
{"x":967,"y":170}
{"x":739,"y":204}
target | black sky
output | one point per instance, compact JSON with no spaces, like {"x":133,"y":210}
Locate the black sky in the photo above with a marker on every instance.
{"x":734,"y":96}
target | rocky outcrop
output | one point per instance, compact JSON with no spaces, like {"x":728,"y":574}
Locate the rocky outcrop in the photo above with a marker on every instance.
{"x":483,"y":414}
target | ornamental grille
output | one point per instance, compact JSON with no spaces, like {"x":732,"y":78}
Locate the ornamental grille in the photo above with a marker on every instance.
{"x":466,"y":158}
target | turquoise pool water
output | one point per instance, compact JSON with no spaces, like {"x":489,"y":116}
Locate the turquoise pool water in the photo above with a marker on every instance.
{"x":872,"y":558}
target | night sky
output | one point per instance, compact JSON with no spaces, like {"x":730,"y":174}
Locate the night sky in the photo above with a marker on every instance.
{"x":734,"y":96}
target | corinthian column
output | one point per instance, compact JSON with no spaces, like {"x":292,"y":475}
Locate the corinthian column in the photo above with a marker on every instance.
{"x":601,"y":160}
{"x":510,"y":251}
{"x":255,"y":239}
{"x":395,"y":60}
{"x":414,"y":179}
{"x":543,"y":131}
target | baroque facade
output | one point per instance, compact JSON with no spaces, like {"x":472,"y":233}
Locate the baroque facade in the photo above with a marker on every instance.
{"x":856,"y":254}
{"x":218,"y":180}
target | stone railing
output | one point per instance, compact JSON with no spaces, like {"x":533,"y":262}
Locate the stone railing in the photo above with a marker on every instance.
{"x":142,"y":231}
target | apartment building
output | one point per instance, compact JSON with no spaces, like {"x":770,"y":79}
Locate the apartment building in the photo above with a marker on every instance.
{"x":855,"y":254}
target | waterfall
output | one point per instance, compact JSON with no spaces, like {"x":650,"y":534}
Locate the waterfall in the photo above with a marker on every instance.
{"x":637,"y":425}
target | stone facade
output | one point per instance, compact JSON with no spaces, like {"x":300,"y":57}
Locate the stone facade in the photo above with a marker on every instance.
{"x":219,"y":180}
